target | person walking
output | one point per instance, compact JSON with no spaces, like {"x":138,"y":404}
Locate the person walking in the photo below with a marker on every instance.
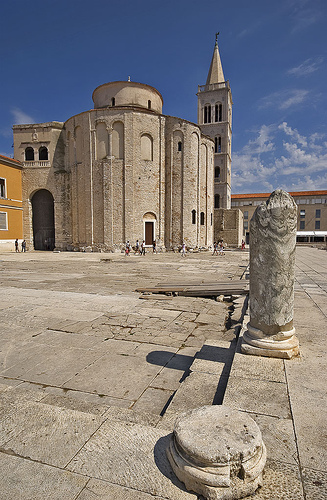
{"x":215,"y":248}
{"x":154,"y":246}
{"x":23,"y":246}
{"x":221,"y":248}
{"x":127,"y":248}
{"x":137,"y":247}
{"x":143,"y":248}
{"x":16,"y":245}
{"x":183,"y":250}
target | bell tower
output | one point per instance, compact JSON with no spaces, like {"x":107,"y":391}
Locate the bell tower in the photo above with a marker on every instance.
{"x":215,"y":119}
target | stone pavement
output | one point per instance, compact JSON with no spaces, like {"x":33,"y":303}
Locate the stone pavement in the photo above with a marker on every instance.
{"x":92,"y":375}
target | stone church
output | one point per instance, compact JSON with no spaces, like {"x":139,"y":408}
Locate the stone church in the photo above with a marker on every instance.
{"x":125,"y":171}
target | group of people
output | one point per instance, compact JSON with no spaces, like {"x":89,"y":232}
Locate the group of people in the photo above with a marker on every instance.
{"x":218,"y":248}
{"x":17,"y":245}
{"x":139,"y":249}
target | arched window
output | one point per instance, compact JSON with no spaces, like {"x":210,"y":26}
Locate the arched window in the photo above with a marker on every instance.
{"x":101,"y":140}
{"x":217,"y":172}
{"x":217,"y":201}
{"x":193,"y":216}
{"x":149,"y":104}
{"x":179,"y":146}
{"x":113,"y":101}
{"x":146,"y":147}
{"x":29,"y":154}
{"x":118,"y":140}
{"x":43,"y":153}
{"x":207,"y":114}
{"x":202,"y":218}
{"x":218,"y":144}
{"x":218,"y":112}
{"x":78,"y":144}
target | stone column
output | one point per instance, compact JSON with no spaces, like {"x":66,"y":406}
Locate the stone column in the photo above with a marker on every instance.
{"x":272,"y":257}
{"x":217,"y":452}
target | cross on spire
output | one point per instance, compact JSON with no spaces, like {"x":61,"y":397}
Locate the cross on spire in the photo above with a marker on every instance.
{"x":217,"y":37}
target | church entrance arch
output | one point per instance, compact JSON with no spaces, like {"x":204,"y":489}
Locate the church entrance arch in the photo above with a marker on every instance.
{"x":43,"y":220}
{"x":149,"y":228}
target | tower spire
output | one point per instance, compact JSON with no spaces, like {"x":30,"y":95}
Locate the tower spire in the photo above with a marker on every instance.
{"x":216,"y":74}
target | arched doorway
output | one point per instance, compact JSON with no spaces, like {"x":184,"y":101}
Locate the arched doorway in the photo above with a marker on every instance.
{"x":149,"y":221}
{"x":43,"y":220}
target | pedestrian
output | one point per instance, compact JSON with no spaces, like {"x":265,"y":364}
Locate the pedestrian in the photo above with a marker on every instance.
{"x":137,"y":247}
{"x":221,"y":248}
{"x":183,"y":250}
{"x":127,"y":248}
{"x":243,"y":244}
{"x":154,"y":246}
{"x":143,"y":248}
{"x":23,"y":246}
{"x":16,"y":245}
{"x":215,"y":248}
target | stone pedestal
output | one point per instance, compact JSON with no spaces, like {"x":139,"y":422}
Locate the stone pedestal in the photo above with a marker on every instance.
{"x":272,"y":257}
{"x":217,"y":452}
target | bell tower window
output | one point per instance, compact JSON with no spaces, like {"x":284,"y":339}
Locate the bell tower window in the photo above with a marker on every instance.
{"x":218,"y":112}
{"x":207,"y":114}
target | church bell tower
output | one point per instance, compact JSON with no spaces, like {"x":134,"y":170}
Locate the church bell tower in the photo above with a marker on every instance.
{"x":215,"y":119}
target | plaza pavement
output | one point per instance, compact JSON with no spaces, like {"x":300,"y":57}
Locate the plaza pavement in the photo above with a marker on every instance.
{"x":92,"y":374}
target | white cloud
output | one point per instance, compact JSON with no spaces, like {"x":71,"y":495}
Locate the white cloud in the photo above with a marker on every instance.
{"x":284,"y":99}
{"x":280,"y":156}
{"x":293,"y":133}
{"x":20,"y":117}
{"x":306,"y":68}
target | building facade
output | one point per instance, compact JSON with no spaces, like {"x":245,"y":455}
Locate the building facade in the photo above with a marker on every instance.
{"x":312,"y":213}
{"x":121,"y":171}
{"x":11,"y":210}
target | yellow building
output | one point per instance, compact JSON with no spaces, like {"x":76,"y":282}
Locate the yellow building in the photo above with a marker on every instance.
{"x":11,"y":210}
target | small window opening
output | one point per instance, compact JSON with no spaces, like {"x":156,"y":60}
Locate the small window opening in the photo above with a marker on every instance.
{"x":218,"y":144}
{"x":29,"y":154}
{"x":302,"y":224}
{"x":318,"y":213}
{"x":193,"y":216}
{"x":2,"y":188}
{"x":302,"y":213}
{"x":218,"y":112}
{"x":113,"y":101}
{"x":217,"y":201}
{"x":217,"y":172}
{"x":317,"y":224}
{"x":246,"y":214}
{"x":207,"y":114}
{"x":202,"y":218}
{"x":43,"y":153}
{"x":179,"y":146}
{"x":149,"y":104}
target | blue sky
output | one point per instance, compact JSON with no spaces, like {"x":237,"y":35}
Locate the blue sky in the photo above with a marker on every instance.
{"x":55,"y":53}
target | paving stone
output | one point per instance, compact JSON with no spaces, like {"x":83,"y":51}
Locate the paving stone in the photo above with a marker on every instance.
{"x":258,"y":396}
{"x":278,"y":436}
{"x":257,"y":367}
{"x":198,"y":389}
{"x":102,"y":490}
{"x":215,"y":357}
{"x":121,"y":376}
{"x":28,"y":480}
{"x":46,"y":433}
{"x":280,"y":482}
{"x":153,"y":400}
{"x":133,"y":456}
{"x":315,"y":484}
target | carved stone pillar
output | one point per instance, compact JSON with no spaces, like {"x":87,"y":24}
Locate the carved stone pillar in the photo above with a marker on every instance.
{"x":272,"y":257}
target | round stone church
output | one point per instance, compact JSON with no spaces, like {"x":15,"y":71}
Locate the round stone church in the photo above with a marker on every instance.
{"x":121,"y":171}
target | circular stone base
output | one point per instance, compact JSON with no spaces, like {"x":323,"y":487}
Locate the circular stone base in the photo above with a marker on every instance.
{"x":217,"y":452}
{"x":282,"y":345}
